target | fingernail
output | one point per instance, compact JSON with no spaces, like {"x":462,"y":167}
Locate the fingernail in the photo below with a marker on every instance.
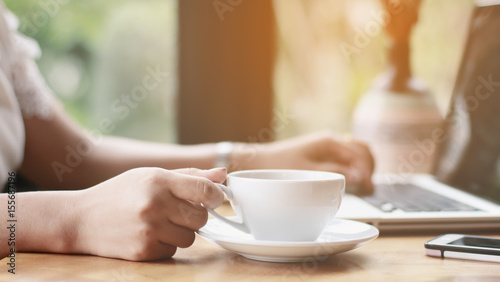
{"x":356,"y":176}
{"x":219,"y":169}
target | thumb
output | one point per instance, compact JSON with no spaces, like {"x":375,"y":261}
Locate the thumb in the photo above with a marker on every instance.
{"x":217,"y":175}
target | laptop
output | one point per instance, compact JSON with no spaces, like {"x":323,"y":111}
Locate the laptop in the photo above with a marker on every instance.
{"x":464,"y":191}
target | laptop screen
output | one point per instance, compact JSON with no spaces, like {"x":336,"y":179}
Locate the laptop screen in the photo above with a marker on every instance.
{"x":468,"y":156}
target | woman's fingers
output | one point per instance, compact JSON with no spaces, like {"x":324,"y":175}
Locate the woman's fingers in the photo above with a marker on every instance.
{"x":187,"y":214}
{"x":154,"y":250}
{"x":185,"y":185}
{"x":195,"y":188}
{"x":217,"y":175}
{"x":357,"y":182}
{"x":175,"y":235}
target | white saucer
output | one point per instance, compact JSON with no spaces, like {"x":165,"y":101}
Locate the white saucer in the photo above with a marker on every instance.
{"x":340,"y":236}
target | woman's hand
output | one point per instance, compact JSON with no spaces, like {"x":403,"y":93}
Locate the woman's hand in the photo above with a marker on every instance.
{"x":146,"y":213}
{"x":318,"y":151}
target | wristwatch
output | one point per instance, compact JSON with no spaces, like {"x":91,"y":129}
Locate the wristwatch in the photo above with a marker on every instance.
{"x":223,"y":154}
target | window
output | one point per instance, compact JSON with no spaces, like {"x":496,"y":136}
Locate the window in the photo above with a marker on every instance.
{"x":96,"y":56}
{"x":97,"y":53}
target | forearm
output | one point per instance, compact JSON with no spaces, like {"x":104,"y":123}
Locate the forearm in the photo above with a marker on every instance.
{"x":128,"y":153}
{"x":114,"y":155}
{"x":99,"y":160}
{"x":60,"y":155}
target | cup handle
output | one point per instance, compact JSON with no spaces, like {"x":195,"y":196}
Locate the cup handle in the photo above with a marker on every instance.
{"x":238,"y":225}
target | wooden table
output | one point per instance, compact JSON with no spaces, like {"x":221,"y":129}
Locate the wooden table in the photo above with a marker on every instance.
{"x":387,"y":258}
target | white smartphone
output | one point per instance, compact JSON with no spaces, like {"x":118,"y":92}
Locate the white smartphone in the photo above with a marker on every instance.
{"x":464,"y":247}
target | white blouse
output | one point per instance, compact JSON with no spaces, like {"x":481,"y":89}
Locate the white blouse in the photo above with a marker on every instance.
{"x":23,"y":92}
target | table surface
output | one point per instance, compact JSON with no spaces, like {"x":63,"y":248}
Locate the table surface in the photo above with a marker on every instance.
{"x":387,"y":258}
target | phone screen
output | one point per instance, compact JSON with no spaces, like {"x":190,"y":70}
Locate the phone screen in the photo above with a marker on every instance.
{"x":477,"y":242}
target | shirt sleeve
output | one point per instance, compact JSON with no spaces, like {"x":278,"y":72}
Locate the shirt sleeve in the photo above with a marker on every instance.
{"x":34,"y":96}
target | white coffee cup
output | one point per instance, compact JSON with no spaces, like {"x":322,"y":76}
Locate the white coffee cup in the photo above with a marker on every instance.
{"x":283,"y":205}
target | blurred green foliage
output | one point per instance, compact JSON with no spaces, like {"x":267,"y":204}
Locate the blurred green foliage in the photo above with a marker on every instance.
{"x":76,"y":22}
{"x":64,"y":29}
{"x":93,"y":52}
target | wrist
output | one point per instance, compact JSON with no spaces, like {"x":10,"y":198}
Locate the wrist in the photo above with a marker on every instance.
{"x":76,"y":239}
{"x":69,"y":222}
{"x":49,"y":221}
{"x":248,"y":156}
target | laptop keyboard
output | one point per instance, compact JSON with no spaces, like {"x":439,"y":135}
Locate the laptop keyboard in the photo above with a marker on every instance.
{"x":411,"y":198}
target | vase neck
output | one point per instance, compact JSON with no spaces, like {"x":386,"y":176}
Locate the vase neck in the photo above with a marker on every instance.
{"x":399,"y":65}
